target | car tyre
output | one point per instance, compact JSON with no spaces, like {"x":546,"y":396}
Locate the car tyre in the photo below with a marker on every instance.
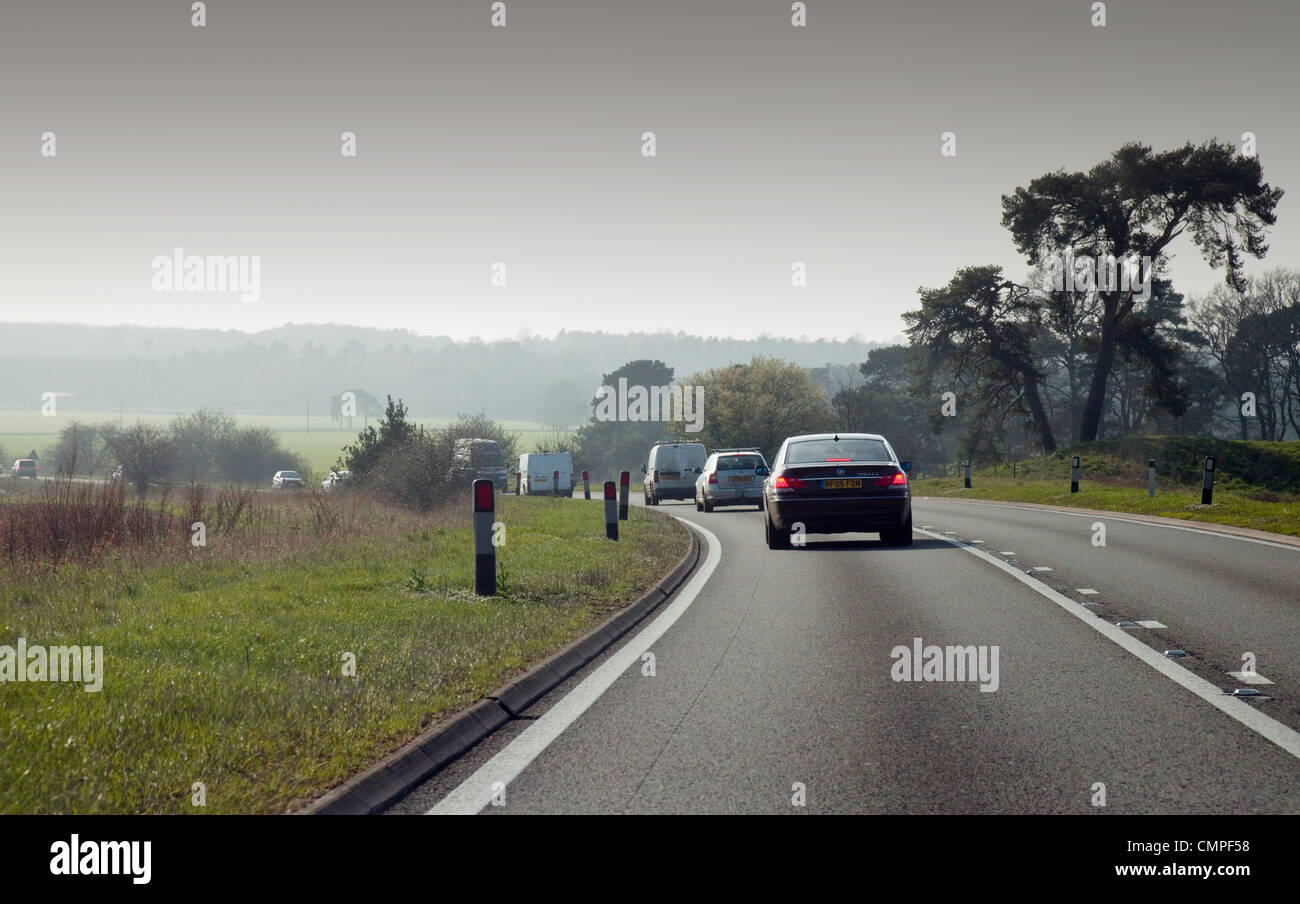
{"x":699,"y":506}
{"x":708,"y":506}
{"x":776,"y":538}
{"x":900,"y":536}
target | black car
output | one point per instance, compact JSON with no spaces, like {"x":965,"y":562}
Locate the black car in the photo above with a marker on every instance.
{"x":478,"y":459}
{"x":838,"y":483}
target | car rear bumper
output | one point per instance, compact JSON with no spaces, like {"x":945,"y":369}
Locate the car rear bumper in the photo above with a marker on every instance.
{"x":821,"y":515}
{"x":663,"y":491}
{"x":734,"y":495}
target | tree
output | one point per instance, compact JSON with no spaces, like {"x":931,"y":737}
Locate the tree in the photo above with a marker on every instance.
{"x":979,"y":329}
{"x":758,"y":404}
{"x":394,"y":431}
{"x":197,"y":437}
{"x":609,"y":446}
{"x":79,"y":450}
{"x":145,"y":452}
{"x":252,"y":455}
{"x":1133,"y":206}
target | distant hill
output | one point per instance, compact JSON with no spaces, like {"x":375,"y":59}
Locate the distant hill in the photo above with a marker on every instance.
{"x":285,"y":370}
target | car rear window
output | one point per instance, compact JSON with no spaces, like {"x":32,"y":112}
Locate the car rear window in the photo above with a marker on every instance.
{"x":738,"y":462}
{"x":844,"y":449}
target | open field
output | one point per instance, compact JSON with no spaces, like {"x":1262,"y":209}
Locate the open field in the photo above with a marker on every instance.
{"x":318,"y":439}
{"x":1257,"y":484}
{"x":225,"y":664}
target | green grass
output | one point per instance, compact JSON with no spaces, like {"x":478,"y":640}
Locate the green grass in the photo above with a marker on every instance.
{"x":319,"y":442}
{"x":224,"y":665}
{"x":1257,"y":484}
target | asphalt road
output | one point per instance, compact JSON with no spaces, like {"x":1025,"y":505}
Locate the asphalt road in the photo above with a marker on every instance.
{"x":775,"y":684}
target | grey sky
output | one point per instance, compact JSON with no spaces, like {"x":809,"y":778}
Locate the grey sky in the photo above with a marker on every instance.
{"x":522,"y":145}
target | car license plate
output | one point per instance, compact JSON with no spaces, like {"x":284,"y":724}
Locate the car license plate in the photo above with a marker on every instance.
{"x":670,"y":475}
{"x":742,"y":479}
{"x":842,"y":484}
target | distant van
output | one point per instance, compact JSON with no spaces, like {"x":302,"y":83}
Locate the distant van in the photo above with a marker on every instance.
{"x":537,"y":472}
{"x":671,"y":471}
{"x":478,"y":459}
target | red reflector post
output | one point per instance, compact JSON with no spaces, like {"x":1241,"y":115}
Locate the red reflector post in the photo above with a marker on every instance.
{"x":610,"y":491}
{"x":483,"y":499}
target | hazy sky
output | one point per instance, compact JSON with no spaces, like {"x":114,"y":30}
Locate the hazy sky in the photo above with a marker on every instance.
{"x":522,"y":145}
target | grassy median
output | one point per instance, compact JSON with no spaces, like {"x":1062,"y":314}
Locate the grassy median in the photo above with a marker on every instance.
{"x":1257,"y":484}
{"x":227,"y":665}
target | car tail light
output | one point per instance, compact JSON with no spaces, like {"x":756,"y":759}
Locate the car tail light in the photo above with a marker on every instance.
{"x":713,"y":477}
{"x":898,"y":479}
{"x":655,"y":477}
{"x":786,"y":482}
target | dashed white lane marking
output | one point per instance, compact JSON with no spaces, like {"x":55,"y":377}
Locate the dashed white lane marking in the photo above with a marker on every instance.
{"x":1108,"y":517}
{"x":1087,"y":591}
{"x":1250,"y":677}
{"x":977,"y":542}
{"x":926,"y":526}
{"x":476,"y":792}
{"x":1039,"y":569}
{"x":1149,"y":623}
{"x":1007,"y":552}
{"x":1266,"y":727}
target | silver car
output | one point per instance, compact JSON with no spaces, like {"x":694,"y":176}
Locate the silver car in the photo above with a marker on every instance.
{"x":287,"y":480}
{"x":731,"y":477}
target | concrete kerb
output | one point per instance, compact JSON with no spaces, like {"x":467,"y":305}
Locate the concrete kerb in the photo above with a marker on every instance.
{"x":383,"y":783}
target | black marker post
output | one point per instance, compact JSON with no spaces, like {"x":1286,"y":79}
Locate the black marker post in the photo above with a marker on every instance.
{"x":485,"y":555}
{"x":623,"y":481}
{"x":1207,"y":482}
{"x":586,"y":487}
{"x":611,"y":511}
{"x":1074,"y":474}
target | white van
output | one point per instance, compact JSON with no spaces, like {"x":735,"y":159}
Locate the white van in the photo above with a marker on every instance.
{"x":671,"y":471}
{"x":537,"y":470}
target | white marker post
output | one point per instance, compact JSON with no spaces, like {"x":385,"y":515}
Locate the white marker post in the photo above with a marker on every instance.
{"x":485,"y":555}
{"x":611,"y":511}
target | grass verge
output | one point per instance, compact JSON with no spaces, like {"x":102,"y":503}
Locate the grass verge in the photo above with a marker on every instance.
{"x":226,"y":665}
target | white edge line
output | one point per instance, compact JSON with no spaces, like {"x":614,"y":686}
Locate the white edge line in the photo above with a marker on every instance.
{"x":476,"y":792}
{"x":1283,"y":736}
{"x":1103,"y":515}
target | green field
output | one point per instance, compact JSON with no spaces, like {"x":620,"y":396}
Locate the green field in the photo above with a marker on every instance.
{"x":319,"y":441}
{"x":1257,"y":484}
{"x":225,"y":665}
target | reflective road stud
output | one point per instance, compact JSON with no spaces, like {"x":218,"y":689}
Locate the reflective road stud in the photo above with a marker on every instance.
{"x":623,"y":479}
{"x":586,"y":487}
{"x":1074,"y":474}
{"x":485,"y":556}
{"x":1151,"y":477}
{"x":1207,"y":482}
{"x":611,"y":511}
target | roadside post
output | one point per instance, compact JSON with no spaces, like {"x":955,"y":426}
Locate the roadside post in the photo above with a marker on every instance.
{"x":611,"y":511}
{"x":623,"y":480}
{"x":1207,"y":482}
{"x":586,"y":487}
{"x":485,"y":554}
{"x":555,"y":483}
{"x":966,"y":464}
{"x":1074,"y":474}
{"x":1151,"y":477}
{"x":519,"y":483}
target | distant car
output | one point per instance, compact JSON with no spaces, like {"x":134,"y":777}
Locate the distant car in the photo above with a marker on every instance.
{"x":336,"y":480}
{"x":478,"y":459}
{"x":731,"y":477}
{"x":24,"y":467}
{"x":671,"y":470}
{"x":838,"y":483}
{"x":287,"y":480}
